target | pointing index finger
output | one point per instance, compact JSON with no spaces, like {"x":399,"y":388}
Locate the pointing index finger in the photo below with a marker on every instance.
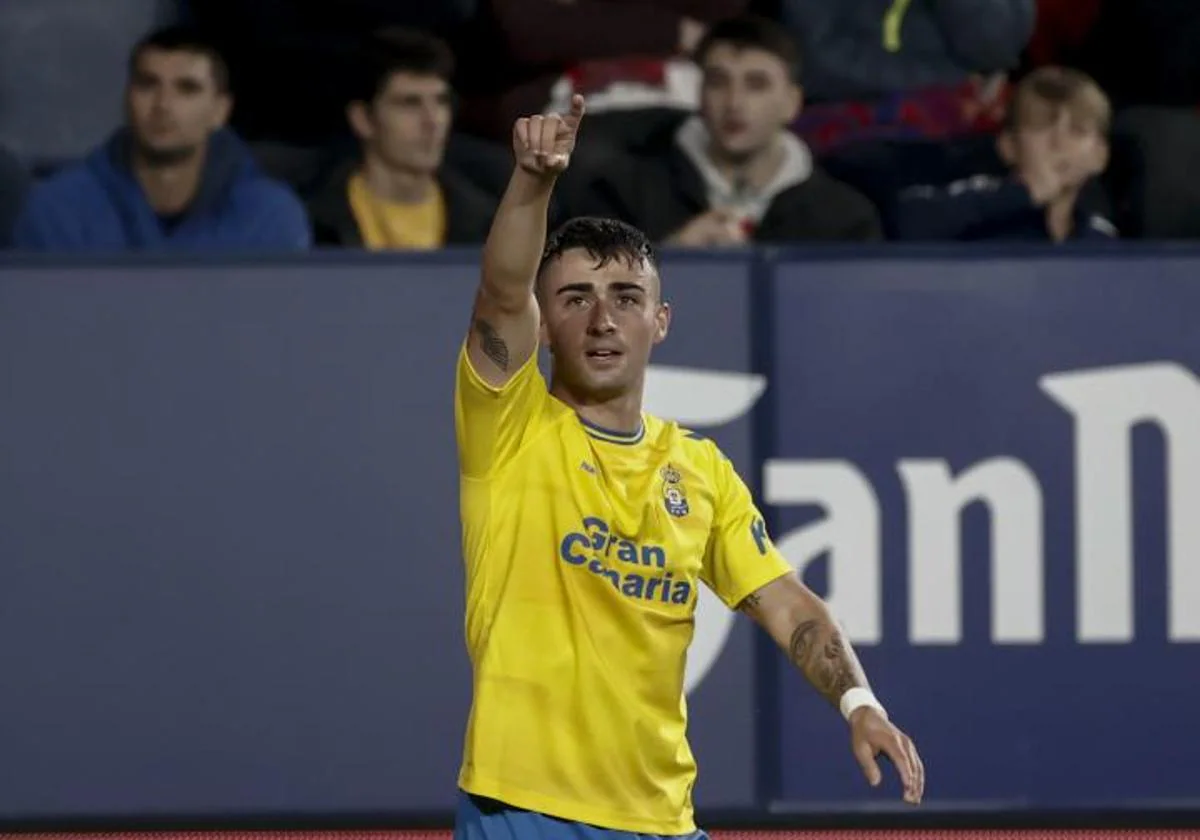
{"x":578,"y":108}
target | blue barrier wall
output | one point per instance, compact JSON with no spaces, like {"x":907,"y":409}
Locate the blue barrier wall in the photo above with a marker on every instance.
{"x":229,"y":581}
{"x":1040,"y":641}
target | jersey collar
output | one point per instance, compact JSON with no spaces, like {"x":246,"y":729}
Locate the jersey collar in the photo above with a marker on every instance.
{"x":610,"y":436}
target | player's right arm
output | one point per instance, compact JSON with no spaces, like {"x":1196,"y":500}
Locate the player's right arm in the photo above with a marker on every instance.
{"x":504,"y":324}
{"x":500,"y":392}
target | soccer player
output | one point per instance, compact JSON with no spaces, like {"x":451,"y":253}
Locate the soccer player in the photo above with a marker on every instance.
{"x":588,"y":527}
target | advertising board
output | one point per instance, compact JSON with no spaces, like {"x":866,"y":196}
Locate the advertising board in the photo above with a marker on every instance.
{"x":231,"y":585}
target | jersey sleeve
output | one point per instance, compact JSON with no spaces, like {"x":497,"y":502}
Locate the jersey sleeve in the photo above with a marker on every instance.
{"x":491,"y":424}
{"x":740,"y":558}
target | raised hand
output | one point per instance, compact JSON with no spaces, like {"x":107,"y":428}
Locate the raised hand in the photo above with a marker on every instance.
{"x":872,"y":734}
{"x":542,"y":145}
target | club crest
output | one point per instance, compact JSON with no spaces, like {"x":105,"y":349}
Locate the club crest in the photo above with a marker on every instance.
{"x":674,"y":496}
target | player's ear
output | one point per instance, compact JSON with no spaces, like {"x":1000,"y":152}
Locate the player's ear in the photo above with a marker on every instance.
{"x":662,"y":322}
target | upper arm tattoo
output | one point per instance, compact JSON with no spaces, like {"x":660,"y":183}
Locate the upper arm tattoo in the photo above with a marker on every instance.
{"x":817,"y":649}
{"x":493,"y":346}
{"x":750,"y":603}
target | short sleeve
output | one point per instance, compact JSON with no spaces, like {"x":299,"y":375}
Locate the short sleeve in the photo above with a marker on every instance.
{"x":740,"y":558}
{"x":491,"y":424}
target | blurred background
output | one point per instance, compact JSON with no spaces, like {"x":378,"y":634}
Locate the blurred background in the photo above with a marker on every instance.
{"x":935,"y":294}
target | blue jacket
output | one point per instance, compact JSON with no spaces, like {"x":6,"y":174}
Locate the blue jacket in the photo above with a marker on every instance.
{"x":985,"y":208}
{"x":97,"y":205}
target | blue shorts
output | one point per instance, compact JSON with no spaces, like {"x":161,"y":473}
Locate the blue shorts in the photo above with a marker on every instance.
{"x":484,"y":819}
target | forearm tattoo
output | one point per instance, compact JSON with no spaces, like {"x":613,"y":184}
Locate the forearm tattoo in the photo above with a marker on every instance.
{"x":492,"y":344}
{"x":818,"y":650}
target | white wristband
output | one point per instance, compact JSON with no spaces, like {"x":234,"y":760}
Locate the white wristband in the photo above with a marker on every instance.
{"x":856,"y":698}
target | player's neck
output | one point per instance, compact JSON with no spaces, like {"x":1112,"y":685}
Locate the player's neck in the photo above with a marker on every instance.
{"x":618,"y":414}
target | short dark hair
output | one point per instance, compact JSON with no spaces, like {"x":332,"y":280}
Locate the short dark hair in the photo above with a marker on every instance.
{"x":183,"y":39}
{"x":604,"y":240}
{"x":752,"y":32}
{"x":400,"y":50}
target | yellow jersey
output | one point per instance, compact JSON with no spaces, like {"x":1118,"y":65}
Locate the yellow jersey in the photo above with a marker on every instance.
{"x":584,"y":549}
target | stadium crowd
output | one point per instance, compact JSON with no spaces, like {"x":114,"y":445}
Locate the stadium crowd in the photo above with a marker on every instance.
{"x":289,"y":125}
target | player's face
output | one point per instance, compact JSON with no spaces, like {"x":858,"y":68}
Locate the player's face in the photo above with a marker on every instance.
{"x":408,"y":123}
{"x":747,"y":98}
{"x":174,"y":103}
{"x":600,"y":323}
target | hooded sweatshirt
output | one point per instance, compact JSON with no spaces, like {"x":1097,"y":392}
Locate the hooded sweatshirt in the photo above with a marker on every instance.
{"x":98,"y":205}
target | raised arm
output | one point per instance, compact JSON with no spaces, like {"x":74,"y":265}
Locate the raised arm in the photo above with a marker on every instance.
{"x":504,"y":324}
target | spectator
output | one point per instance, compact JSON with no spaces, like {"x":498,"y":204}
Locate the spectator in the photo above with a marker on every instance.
{"x":173,"y":178}
{"x":914,"y":69}
{"x":734,"y":173}
{"x":398,"y":193}
{"x":1055,"y":143}
{"x":864,"y":49}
